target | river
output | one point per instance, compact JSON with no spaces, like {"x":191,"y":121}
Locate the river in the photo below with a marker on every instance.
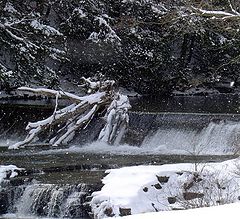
{"x":167,"y":130}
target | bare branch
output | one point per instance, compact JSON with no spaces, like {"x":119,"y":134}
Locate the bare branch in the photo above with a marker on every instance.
{"x":50,"y":93}
{"x":233,"y":10}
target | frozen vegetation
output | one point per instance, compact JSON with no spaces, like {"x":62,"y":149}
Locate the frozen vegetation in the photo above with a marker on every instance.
{"x":149,"y":46}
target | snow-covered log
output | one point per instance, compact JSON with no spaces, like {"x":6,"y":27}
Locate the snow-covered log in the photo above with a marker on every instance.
{"x":60,"y":127}
{"x":116,"y":119}
{"x":221,"y":15}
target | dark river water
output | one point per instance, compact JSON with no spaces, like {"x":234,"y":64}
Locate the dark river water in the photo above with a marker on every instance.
{"x":224,"y":103}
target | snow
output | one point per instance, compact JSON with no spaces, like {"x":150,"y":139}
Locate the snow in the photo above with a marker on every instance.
{"x":92,"y":85}
{"x":140,"y":192}
{"x":72,"y":128}
{"x":80,"y":12}
{"x":214,"y":13}
{"x":159,"y":9}
{"x":232,"y":84}
{"x":5,"y":170}
{"x":223,"y":211}
{"x":109,"y":35}
{"x":47,"y":30}
{"x":8,"y":73}
{"x":93,"y":98}
{"x":9,"y":8}
{"x":94,"y":37}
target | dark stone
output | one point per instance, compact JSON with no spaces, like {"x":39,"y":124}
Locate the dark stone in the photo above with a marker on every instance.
{"x":197,"y":179}
{"x":192,"y":195}
{"x":162,"y":179}
{"x":125,"y":211}
{"x":20,"y":181}
{"x":157,"y":186}
{"x":109,"y":212}
{"x":23,"y":172}
{"x":8,"y":174}
{"x":3,"y":202}
{"x":145,"y":189}
{"x":172,"y":200}
{"x":189,"y":185}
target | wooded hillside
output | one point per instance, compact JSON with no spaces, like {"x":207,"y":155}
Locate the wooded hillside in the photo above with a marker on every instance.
{"x":150,"y":46}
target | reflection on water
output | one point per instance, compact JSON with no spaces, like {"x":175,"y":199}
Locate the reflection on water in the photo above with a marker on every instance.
{"x":224,"y":103}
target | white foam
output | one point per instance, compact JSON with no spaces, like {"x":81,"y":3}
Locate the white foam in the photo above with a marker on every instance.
{"x":215,"y":139}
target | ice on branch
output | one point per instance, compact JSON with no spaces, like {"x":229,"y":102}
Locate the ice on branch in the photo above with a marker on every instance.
{"x":9,"y":8}
{"x":106,"y":32}
{"x":221,"y":15}
{"x":60,"y":127}
{"x":45,"y":29}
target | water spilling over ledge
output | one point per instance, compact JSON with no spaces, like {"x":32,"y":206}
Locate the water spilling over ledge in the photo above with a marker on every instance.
{"x":61,"y":177}
{"x":30,"y":198}
{"x":193,"y":130}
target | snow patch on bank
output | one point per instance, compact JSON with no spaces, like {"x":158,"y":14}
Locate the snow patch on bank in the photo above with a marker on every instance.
{"x":223,"y":211}
{"x":8,"y":172}
{"x":141,"y":189}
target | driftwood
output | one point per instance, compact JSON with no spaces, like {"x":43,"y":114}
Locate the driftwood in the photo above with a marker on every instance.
{"x":61,"y":126}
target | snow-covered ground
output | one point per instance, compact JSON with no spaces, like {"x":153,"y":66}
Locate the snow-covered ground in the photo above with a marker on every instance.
{"x":141,"y":189}
{"x":220,"y":212}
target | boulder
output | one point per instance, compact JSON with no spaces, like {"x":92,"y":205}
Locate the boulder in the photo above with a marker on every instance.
{"x":109,"y":212}
{"x":172,"y":200}
{"x":125,"y":211}
{"x":192,"y":195}
{"x":3,"y":202}
{"x":162,"y":179}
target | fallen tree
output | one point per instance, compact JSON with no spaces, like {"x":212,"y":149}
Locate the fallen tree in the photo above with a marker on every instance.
{"x":60,"y":127}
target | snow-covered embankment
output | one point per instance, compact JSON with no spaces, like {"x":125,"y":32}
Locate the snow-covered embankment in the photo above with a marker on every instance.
{"x":141,"y":189}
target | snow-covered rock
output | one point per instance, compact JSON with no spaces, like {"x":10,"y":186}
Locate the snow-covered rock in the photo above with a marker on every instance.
{"x":8,"y":171}
{"x":141,"y":189}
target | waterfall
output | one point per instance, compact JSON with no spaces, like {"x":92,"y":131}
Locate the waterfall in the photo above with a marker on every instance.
{"x":215,"y":138}
{"x":223,"y":136}
{"x":49,"y":200}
